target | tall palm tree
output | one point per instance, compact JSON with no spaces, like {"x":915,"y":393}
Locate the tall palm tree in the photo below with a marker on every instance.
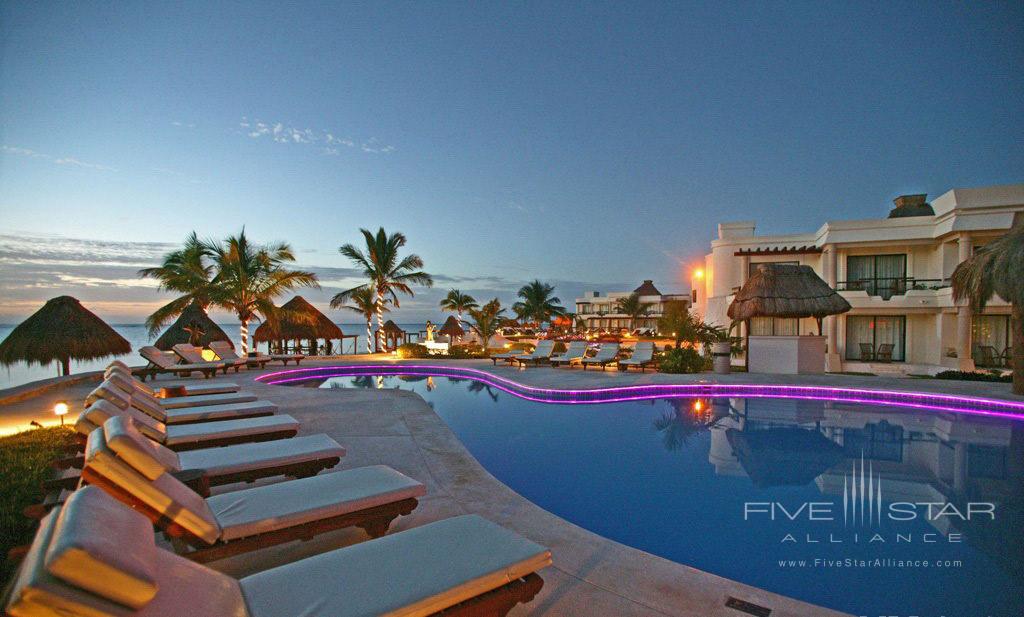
{"x":458,"y":302}
{"x":362,"y":300}
{"x":186,"y":271}
{"x":998,"y":269}
{"x":538,"y":303}
{"x":633,"y":307}
{"x":486,"y":321}
{"x":387,"y":273}
{"x":249,"y":277}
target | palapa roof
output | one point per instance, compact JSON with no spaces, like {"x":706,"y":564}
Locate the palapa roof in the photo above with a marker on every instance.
{"x":192,"y":316}
{"x":452,"y":327}
{"x":62,"y":328}
{"x":391,"y":327}
{"x":786,"y":291}
{"x":299,"y":320}
{"x":647,"y":288}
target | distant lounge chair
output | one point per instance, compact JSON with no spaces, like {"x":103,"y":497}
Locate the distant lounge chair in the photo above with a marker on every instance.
{"x":168,"y":362}
{"x":867,"y":352}
{"x":246,"y":408}
{"x":605,"y":356}
{"x":643,"y":355}
{"x":509,"y":357}
{"x":188,"y":388}
{"x":194,"y":355}
{"x":884,"y":353}
{"x":96,"y":557}
{"x":574,"y":353}
{"x":181,"y":437}
{"x":254,"y":518}
{"x":225,"y":351}
{"x":541,"y":353}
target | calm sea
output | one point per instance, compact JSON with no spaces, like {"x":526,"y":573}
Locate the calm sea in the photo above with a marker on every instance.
{"x":137,"y":336}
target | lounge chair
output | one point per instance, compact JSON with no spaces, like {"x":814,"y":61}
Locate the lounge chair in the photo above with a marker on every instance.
{"x":605,"y":356}
{"x":643,"y":355}
{"x":574,"y":353}
{"x":509,"y":357}
{"x":131,"y":387}
{"x":226,"y":351}
{"x":181,"y":437}
{"x":884,"y":353}
{"x":106,"y":391}
{"x":187,"y":388}
{"x":96,"y":557}
{"x":167,"y":362}
{"x":541,"y":353}
{"x":252,"y":518}
{"x":194,"y":355}
{"x":867,"y":352}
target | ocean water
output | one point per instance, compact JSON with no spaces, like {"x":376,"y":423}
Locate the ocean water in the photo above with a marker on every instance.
{"x":136,"y":335}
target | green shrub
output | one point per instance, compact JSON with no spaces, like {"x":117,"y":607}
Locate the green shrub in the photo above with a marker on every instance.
{"x":974,"y":376}
{"x":683,"y":360}
{"x":412,"y":350}
{"x":462,"y":352}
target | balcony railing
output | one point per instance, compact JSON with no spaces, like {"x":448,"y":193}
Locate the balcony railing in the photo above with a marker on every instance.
{"x":886,"y":288}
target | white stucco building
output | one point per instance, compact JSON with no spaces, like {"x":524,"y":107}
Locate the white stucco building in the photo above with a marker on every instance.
{"x":894,"y":271}
{"x":600,"y":311}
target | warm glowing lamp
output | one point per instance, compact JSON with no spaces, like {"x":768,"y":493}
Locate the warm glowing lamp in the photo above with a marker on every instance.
{"x":61,"y":410}
{"x":698,"y":273}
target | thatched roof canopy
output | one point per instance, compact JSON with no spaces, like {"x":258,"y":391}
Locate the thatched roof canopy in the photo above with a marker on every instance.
{"x":193,"y":317}
{"x":299,"y":320}
{"x":62,"y":330}
{"x":786,"y":291}
{"x":452,"y":327}
{"x":391,"y":328}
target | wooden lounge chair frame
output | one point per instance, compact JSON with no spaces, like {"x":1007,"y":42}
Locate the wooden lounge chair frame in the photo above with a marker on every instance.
{"x":153,"y":369}
{"x":497,"y":602}
{"x":884,"y":352}
{"x":374,"y":521}
{"x":867,"y":352}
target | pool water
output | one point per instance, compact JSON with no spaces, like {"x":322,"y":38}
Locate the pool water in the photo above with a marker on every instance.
{"x":700,"y":480}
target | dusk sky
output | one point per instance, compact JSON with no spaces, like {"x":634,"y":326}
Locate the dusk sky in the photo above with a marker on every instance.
{"x":589,"y":145}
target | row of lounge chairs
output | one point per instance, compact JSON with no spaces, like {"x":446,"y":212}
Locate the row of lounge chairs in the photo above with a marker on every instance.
{"x":92,"y":555}
{"x":575,"y":354}
{"x":183,"y":360}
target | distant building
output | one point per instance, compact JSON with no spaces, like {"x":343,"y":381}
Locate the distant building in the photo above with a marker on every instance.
{"x":893,"y":271}
{"x":599,"y":311}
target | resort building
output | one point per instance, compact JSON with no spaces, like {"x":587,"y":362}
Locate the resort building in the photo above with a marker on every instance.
{"x":600,"y":312}
{"x":895,"y":273}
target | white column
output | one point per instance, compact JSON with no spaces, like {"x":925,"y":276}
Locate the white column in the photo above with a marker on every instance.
{"x":830,"y":263}
{"x":963,"y":317}
{"x":744,"y":269}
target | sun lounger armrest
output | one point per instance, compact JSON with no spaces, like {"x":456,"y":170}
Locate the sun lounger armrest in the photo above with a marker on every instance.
{"x":195,"y":479}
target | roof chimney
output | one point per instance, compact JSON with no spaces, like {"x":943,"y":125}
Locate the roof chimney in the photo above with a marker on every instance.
{"x":911,"y":205}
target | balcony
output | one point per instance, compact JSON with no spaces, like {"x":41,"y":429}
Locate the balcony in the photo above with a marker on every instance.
{"x":886,"y":288}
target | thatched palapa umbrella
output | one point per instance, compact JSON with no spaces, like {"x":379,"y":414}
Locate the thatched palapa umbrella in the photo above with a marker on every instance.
{"x":786,"y":291}
{"x":62,"y":330}
{"x":193,"y":327}
{"x":299,"y":321}
{"x":393,"y":335}
{"x":452,"y":329}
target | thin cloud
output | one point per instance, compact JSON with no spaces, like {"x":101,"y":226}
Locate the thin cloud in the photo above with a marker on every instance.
{"x":61,"y":160}
{"x":329,"y":143}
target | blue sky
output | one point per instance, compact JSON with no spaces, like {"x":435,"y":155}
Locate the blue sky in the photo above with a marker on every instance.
{"x":592,"y":145}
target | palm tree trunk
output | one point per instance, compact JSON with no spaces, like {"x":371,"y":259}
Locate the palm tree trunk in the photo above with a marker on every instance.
{"x":66,"y":366}
{"x":380,"y":320}
{"x":244,"y":333}
{"x":1017,"y":328}
{"x":369,"y":334}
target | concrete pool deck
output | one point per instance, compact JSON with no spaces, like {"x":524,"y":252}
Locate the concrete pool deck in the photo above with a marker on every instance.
{"x":591,"y":574}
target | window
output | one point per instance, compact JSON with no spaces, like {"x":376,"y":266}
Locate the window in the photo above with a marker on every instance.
{"x":990,"y":337}
{"x":774,"y":326}
{"x":879,"y":275}
{"x":880,"y":442}
{"x":876,"y":337}
{"x":752,"y":268}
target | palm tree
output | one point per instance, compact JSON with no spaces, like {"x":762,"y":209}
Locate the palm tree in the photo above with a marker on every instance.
{"x":387,"y":274}
{"x":998,"y":269}
{"x":363,"y":300}
{"x":249,"y":277}
{"x":458,"y":302}
{"x":633,"y":307}
{"x":538,"y":303}
{"x":186,"y":271}
{"x":678,"y":323}
{"x":486,"y":321}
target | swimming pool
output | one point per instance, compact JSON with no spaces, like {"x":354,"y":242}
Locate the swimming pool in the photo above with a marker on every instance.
{"x":911,"y":511}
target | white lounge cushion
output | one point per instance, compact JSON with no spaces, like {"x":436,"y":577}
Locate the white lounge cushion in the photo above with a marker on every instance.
{"x":107,"y":391}
{"x":145,"y":455}
{"x":180,"y":434}
{"x":192,"y":388}
{"x":101,"y":546}
{"x":202,"y":413}
{"x":249,"y":456}
{"x":101,"y":411}
{"x":199,"y":400}
{"x":412,"y":573}
{"x":285,"y":504}
{"x":36,"y":592}
{"x":188,"y":588}
{"x":165,"y":495}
